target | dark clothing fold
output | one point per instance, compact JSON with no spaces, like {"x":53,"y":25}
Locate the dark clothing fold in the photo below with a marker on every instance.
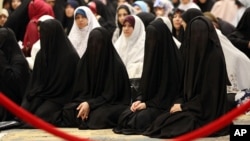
{"x":18,"y":20}
{"x":53,"y":73}
{"x":206,"y":6}
{"x":204,"y":97}
{"x":14,"y":70}
{"x":160,"y":79}
{"x":241,"y":36}
{"x":101,"y":81}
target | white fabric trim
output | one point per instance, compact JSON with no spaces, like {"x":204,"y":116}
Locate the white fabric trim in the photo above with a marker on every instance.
{"x":237,"y":63}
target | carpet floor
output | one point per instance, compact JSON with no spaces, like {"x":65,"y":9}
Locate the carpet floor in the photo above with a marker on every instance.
{"x":94,"y":135}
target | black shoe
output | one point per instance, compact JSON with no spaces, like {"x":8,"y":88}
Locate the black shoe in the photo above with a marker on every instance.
{"x":117,"y":130}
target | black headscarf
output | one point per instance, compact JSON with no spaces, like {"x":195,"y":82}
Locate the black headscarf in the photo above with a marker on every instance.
{"x":244,"y":24}
{"x":204,"y":97}
{"x":150,"y":4}
{"x":187,"y":16}
{"x":191,"y":13}
{"x":101,"y":76}
{"x":14,"y":69}
{"x":59,"y":9}
{"x":106,"y":20}
{"x":146,"y":17}
{"x":68,"y":21}
{"x":241,"y":36}
{"x":207,"y":6}
{"x":161,"y":74}
{"x":18,"y":20}
{"x":55,"y":65}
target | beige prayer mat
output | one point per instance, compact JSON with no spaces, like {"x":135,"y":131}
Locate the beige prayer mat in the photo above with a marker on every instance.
{"x":94,"y":135}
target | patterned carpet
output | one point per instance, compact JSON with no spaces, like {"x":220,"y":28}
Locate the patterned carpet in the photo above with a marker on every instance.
{"x":94,"y":135}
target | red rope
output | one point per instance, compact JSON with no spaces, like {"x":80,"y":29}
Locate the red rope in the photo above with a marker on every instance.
{"x":215,"y":125}
{"x":201,"y":132}
{"x":35,"y":121}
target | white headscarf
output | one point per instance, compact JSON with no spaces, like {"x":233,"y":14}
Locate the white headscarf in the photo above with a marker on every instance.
{"x":4,"y":11}
{"x":189,"y":5}
{"x":165,"y":4}
{"x":240,"y":11}
{"x":131,"y":49}
{"x":246,"y":3}
{"x":225,"y":9}
{"x":79,"y":37}
{"x":237,"y":63}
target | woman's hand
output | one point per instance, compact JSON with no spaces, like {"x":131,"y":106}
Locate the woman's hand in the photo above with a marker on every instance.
{"x":175,"y":108}
{"x":138,"y":105}
{"x":83,"y":111}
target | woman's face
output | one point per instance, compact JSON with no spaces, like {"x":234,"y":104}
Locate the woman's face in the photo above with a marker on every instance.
{"x":185,"y":1}
{"x":81,"y":21}
{"x":69,"y":11}
{"x":127,"y":29}
{"x":175,"y":1}
{"x":15,"y":3}
{"x":137,"y":9}
{"x":202,"y":1}
{"x":3,"y":19}
{"x":51,"y":2}
{"x":177,"y":21}
{"x":122,"y":13}
{"x":159,"y":11}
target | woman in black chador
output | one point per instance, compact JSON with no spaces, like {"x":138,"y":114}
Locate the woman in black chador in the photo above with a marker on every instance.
{"x":14,"y":70}
{"x":204,"y":97}
{"x":53,"y":73}
{"x":101,"y":89}
{"x":241,"y":36}
{"x":160,"y":81}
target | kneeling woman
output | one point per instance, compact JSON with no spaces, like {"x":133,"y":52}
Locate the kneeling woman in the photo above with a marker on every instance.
{"x":160,"y":80}
{"x":101,"y":89}
{"x":204,"y":83}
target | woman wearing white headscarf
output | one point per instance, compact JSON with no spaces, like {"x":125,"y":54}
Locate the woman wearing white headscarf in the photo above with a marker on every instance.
{"x":160,"y":81}
{"x":130,"y":47}
{"x":80,"y":32}
{"x":237,"y":63}
{"x":238,"y":66}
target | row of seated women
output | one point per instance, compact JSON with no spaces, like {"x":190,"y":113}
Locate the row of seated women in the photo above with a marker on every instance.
{"x":181,"y":88}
